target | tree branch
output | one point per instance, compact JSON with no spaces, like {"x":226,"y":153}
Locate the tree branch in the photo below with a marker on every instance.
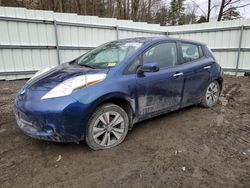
{"x":233,"y":7}
{"x":240,"y":6}
{"x":199,"y":8}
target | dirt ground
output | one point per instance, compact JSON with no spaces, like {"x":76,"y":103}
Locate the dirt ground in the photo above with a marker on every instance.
{"x":193,"y":147}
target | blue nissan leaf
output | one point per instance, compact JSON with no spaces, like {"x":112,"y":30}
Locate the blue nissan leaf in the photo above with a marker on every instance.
{"x":100,"y":95}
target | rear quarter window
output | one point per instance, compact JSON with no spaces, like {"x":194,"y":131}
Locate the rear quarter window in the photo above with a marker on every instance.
{"x":209,"y":52}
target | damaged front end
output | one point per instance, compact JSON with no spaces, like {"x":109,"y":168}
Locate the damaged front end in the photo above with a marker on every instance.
{"x":55,"y":119}
{"x":42,"y":130}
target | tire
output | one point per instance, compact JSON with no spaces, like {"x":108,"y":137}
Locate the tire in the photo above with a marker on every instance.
{"x":211,"y":95}
{"x":107,"y":127}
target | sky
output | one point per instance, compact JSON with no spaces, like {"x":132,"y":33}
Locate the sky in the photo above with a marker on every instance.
{"x":245,"y":11}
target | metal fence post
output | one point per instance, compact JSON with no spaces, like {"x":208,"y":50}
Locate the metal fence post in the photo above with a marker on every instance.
{"x":239,"y":50}
{"x":117,"y":32}
{"x":166,"y":33}
{"x":57,"y":43}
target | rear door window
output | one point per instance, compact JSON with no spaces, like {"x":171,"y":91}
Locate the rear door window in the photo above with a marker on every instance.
{"x":191,"y":52}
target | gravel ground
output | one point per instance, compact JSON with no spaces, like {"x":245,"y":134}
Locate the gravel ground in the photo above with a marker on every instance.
{"x":192,"y":147}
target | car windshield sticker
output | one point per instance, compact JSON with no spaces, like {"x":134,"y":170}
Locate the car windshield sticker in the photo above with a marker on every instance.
{"x":111,"y":64}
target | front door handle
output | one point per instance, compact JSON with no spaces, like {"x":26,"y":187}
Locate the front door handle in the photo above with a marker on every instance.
{"x":207,"y":67}
{"x":178,"y":74}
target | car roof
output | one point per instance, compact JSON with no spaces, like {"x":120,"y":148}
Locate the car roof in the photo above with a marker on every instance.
{"x":157,"y":39}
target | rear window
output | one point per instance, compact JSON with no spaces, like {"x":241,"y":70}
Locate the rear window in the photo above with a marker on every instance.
{"x":191,"y":52}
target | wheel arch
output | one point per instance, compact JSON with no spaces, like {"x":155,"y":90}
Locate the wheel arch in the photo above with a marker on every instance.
{"x":220,"y":81}
{"x":123,"y":101}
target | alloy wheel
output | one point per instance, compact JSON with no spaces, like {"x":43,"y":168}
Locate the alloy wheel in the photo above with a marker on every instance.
{"x":212,"y":94}
{"x":108,"y":128}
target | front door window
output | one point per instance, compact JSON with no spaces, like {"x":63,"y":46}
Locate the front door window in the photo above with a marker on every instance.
{"x":165,"y":54}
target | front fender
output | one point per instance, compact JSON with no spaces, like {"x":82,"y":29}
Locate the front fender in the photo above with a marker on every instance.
{"x":112,"y":96}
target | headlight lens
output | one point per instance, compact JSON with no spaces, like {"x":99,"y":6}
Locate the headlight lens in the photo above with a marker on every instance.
{"x":42,"y":71}
{"x":73,"y":84}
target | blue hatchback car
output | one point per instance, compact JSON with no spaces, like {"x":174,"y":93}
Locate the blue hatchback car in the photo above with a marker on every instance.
{"x":100,"y":95}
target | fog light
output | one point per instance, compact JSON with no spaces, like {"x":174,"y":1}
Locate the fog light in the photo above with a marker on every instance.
{"x":48,"y":129}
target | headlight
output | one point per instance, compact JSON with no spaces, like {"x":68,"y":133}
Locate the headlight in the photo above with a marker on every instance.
{"x":73,"y":84}
{"x":40,"y":72}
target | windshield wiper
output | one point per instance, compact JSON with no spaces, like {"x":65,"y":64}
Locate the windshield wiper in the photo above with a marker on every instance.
{"x":89,"y":66}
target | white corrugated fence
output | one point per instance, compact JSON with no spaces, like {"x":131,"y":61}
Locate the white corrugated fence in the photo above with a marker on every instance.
{"x":33,"y":39}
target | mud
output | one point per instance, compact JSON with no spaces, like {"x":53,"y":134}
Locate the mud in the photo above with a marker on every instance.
{"x":192,"y":147}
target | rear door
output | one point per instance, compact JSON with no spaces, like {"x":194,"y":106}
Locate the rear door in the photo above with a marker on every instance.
{"x":196,"y":71}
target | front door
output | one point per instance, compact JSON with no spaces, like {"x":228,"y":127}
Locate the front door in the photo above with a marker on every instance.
{"x":160,"y":91}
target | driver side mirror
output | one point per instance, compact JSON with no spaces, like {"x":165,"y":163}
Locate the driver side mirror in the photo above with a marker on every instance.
{"x":149,"y":67}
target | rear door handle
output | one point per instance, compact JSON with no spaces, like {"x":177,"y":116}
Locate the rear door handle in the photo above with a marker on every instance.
{"x":178,"y":74}
{"x":207,"y":67}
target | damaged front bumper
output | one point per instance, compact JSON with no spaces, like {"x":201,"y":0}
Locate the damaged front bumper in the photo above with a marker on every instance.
{"x":62,"y":119}
{"x":42,"y":131}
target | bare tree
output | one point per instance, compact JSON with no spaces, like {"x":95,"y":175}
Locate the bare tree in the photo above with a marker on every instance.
{"x":208,"y":10}
{"x":134,"y":9}
{"x":149,"y":7}
{"x":153,"y":11}
{"x":229,"y":3}
{"x":190,"y":13}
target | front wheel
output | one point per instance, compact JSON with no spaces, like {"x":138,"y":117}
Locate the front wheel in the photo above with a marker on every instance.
{"x":107,"y":127}
{"x":212,"y":94}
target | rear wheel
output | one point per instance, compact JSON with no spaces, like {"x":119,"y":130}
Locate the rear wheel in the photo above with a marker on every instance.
{"x":212,"y":94}
{"x":107,"y":127}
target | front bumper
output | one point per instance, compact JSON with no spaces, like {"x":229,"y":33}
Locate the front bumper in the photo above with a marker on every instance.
{"x":42,"y":131}
{"x":62,"y":119}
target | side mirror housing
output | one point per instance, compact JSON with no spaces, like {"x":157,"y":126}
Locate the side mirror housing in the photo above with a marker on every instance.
{"x":149,"y":67}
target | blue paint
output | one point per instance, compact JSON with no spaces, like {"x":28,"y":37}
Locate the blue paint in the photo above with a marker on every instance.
{"x":148,"y":94}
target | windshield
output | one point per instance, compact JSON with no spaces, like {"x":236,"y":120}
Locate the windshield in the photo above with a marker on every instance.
{"x":109,"y":55}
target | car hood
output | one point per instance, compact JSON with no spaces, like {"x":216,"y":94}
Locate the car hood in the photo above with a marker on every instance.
{"x":59,"y":74}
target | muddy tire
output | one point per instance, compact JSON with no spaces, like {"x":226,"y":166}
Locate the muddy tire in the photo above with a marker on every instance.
{"x":107,"y":127}
{"x":211,"y":95}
